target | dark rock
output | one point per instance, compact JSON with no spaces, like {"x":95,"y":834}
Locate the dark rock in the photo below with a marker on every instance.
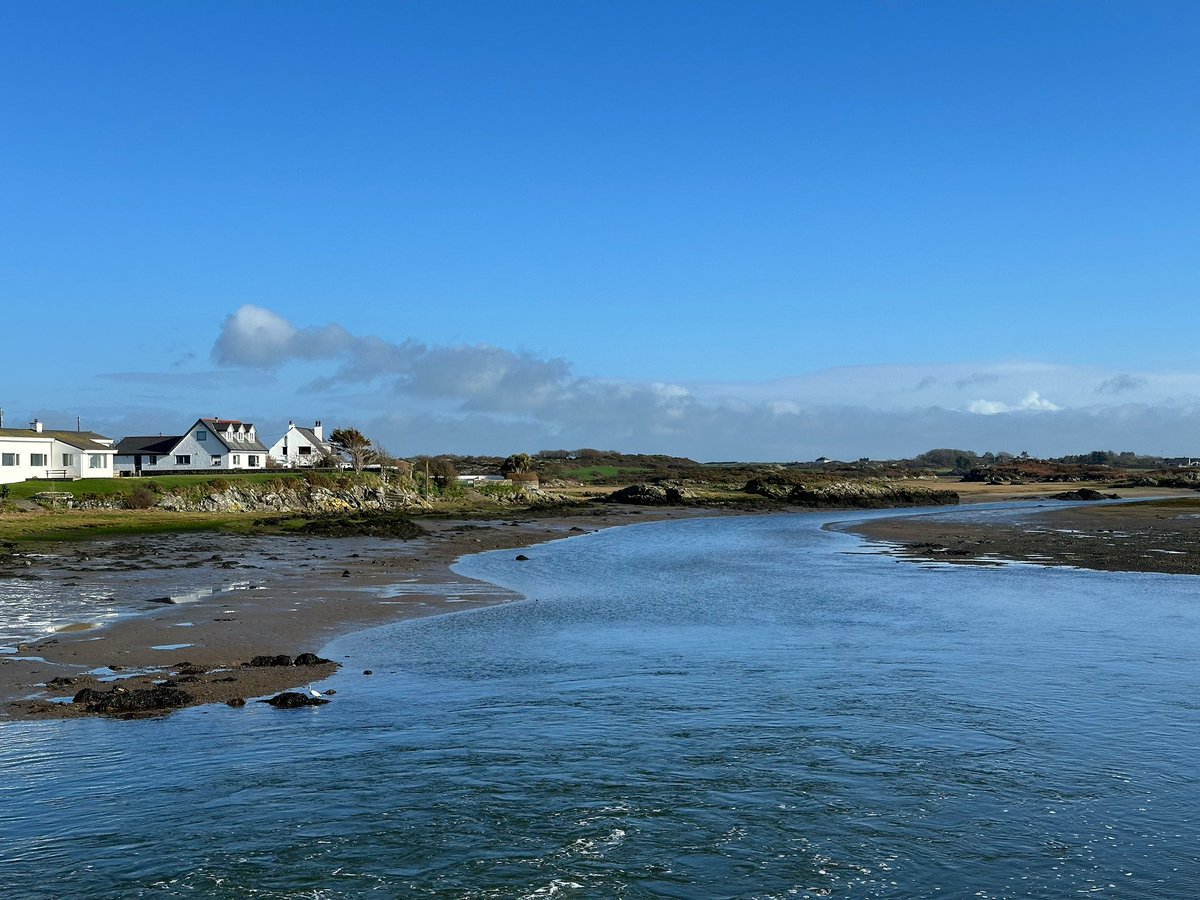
{"x":650,"y":495}
{"x":310,"y":659}
{"x":236,"y":702}
{"x":87,"y":695}
{"x":120,"y":701}
{"x":368,"y":672}
{"x":61,"y":682}
{"x":262,"y":662}
{"x":521,"y":557}
{"x":293,"y":700}
{"x":345,"y":573}
{"x":1084,"y":494}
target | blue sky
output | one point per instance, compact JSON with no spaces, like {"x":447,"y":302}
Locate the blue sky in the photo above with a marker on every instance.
{"x":751,"y":230}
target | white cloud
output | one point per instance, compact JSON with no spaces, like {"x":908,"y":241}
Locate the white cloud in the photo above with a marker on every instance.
{"x":1033,"y":401}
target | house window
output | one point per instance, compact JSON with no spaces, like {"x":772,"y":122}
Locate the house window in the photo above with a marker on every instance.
{"x":252,"y":461}
{"x":38,"y":459}
{"x":10,"y":459}
{"x":183,"y":459}
{"x":237,"y":460}
{"x":96,"y":461}
{"x":68,"y":459}
{"x":216,"y":460}
{"x":305,"y":451}
{"x":202,"y":435}
{"x":153,"y":460}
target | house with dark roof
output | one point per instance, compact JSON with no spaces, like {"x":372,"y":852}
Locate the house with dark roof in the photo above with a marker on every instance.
{"x":302,"y":446}
{"x":210,"y":445}
{"x":40,"y":452}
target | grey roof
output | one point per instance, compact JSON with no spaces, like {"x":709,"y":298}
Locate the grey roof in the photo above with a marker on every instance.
{"x":156,"y":445}
{"x":217,"y":426}
{"x":81,"y":440}
{"x":312,"y":438}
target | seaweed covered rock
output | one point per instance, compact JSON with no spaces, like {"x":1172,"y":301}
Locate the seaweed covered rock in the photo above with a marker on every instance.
{"x":1085,"y":494}
{"x":362,"y":523}
{"x":263,"y":662}
{"x":310,"y":659}
{"x":293,"y":700}
{"x":119,"y":701}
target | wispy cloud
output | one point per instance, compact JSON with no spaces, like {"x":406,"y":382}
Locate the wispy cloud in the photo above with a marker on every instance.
{"x":1121,"y":384}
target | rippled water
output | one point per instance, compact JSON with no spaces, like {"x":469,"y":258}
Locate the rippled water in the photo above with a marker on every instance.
{"x":723,"y":708}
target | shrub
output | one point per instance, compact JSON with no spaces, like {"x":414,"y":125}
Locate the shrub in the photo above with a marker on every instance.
{"x":141,"y":497}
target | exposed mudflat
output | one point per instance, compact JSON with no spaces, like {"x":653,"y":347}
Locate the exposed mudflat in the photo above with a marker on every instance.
{"x":1146,"y":536}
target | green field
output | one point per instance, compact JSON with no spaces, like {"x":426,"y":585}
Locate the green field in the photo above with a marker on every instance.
{"x":604,"y":473}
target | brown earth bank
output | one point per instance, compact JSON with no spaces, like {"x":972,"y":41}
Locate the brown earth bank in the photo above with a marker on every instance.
{"x":305,"y":591}
{"x":1156,"y":535}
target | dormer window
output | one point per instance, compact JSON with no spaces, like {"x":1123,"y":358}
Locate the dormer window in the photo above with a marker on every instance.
{"x":202,"y":435}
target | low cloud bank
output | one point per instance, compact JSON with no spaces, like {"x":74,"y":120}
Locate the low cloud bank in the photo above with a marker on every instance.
{"x":481,"y":398}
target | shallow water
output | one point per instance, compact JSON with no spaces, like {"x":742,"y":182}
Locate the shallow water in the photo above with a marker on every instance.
{"x":743,"y":707}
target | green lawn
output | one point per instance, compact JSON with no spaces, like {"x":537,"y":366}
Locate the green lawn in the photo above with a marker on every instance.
{"x":23,"y":490}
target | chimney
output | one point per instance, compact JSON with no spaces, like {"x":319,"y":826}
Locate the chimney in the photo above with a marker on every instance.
{"x":36,"y":425}
{"x":319,"y":430}
{"x":291,"y":424}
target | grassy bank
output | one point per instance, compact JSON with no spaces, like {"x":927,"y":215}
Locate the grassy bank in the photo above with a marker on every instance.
{"x":111,"y":487}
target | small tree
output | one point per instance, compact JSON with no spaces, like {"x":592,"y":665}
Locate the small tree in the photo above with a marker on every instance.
{"x":442,"y":472}
{"x":354,"y":444}
{"x":518,"y":462}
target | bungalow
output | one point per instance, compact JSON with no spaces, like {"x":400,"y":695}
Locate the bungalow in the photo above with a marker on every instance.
{"x":210,"y":445}
{"x":302,"y":446}
{"x":36,"y":452}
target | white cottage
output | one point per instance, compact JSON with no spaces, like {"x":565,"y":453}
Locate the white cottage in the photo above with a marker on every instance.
{"x":210,"y":445}
{"x":38,"y":452}
{"x":302,"y":446}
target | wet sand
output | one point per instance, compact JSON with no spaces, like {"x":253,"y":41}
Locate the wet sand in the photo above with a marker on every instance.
{"x":1160,"y":535}
{"x":304,"y":594}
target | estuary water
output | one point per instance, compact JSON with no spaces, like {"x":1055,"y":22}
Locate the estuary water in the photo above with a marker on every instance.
{"x":736,"y":707}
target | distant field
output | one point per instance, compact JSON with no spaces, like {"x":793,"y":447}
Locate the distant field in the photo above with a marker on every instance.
{"x":597,"y":473}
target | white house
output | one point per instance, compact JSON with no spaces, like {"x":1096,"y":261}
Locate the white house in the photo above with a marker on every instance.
{"x":210,"y":445}
{"x":37,"y":452}
{"x":301,"y":446}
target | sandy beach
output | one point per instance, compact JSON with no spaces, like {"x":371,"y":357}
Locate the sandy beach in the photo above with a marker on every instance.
{"x":301,"y":594}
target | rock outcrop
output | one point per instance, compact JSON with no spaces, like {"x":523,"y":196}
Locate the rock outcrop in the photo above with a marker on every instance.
{"x":1084,"y":494}
{"x":652,"y":495}
{"x":850,"y":494}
